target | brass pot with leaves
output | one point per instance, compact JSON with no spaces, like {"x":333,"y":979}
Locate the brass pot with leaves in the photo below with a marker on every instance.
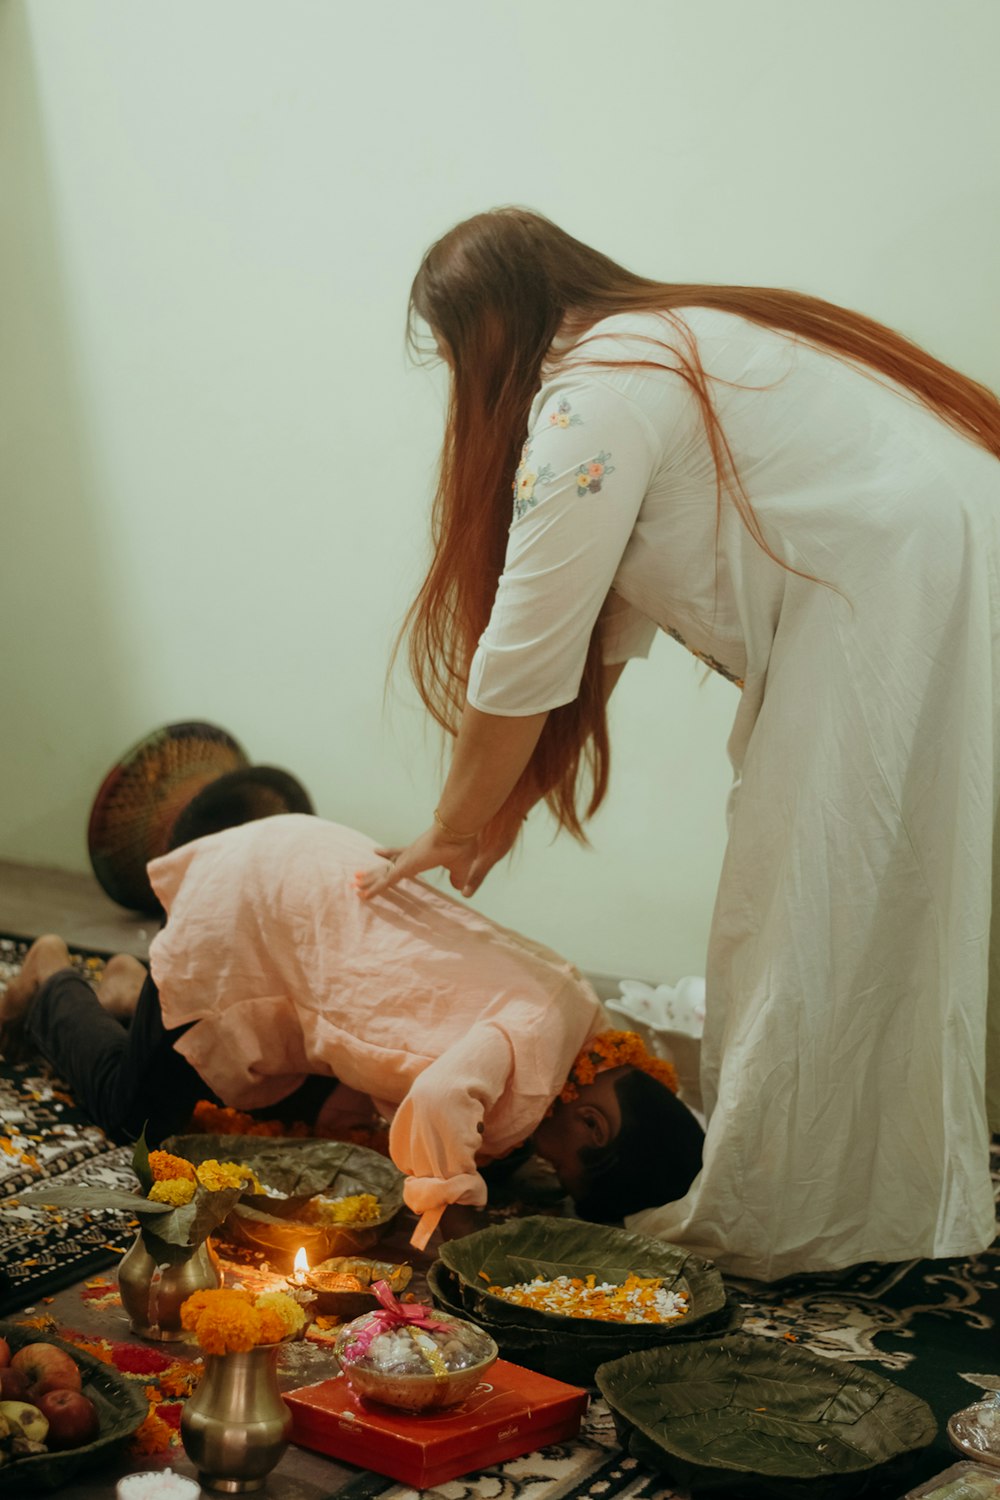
{"x":172,"y":1255}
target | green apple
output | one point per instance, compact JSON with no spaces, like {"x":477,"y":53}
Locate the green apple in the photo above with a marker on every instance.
{"x":29,"y":1421}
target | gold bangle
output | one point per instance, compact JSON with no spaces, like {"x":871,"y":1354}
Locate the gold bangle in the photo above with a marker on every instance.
{"x":460,"y":838}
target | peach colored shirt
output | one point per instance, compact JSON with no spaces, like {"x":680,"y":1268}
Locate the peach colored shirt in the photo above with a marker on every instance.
{"x":460,"y":1030}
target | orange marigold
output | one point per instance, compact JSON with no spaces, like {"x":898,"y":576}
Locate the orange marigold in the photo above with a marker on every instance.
{"x":228,"y":1329}
{"x":164,"y":1167}
{"x":615,"y":1049}
{"x":193,"y":1306}
{"x":154,"y":1435}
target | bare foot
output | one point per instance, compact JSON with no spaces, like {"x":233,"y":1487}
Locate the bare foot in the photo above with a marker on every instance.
{"x":46,"y":956}
{"x":118,"y":991}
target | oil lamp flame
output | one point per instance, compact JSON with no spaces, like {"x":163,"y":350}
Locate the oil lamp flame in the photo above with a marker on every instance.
{"x":301,"y":1264}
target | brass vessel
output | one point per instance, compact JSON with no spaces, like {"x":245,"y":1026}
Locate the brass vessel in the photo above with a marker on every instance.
{"x":236,"y":1426}
{"x":152,"y":1294}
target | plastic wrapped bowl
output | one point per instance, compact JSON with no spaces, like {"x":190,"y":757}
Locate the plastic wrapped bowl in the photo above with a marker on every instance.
{"x":429,"y":1361}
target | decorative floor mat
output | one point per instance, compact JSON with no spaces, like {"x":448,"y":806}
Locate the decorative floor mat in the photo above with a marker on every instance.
{"x":44,"y":1137}
{"x":931,"y":1326}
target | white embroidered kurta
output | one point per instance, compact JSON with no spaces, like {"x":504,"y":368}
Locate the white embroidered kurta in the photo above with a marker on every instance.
{"x":849,"y":966}
{"x":462,"y":1031}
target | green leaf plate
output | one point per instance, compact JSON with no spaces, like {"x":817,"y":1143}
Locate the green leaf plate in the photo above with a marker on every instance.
{"x":121,"y":1406}
{"x":752,"y":1417}
{"x":571,"y":1355}
{"x":300,"y":1169}
{"x":521,"y":1249}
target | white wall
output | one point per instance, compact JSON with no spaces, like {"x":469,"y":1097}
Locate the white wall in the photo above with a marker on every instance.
{"x":215,"y":461}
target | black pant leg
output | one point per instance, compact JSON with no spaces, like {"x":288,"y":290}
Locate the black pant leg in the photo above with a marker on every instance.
{"x":125,"y":1079}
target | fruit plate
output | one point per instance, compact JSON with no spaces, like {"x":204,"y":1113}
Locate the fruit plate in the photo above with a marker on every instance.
{"x":121,"y":1407}
{"x":758,"y":1419}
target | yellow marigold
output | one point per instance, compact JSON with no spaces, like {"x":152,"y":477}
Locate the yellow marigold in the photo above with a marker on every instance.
{"x":216,"y":1175}
{"x":280,"y":1312}
{"x":174,"y":1190}
{"x":357,"y":1208}
{"x":165,"y":1167}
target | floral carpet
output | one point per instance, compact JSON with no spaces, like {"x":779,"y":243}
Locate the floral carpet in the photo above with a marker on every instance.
{"x":931,"y":1326}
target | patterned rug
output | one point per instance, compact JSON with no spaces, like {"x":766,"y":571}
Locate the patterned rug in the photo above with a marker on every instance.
{"x":44,"y":1137}
{"x":931,"y":1326}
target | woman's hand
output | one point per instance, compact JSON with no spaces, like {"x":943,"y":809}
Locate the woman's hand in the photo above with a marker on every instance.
{"x":430,"y":851}
{"x":468,"y":862}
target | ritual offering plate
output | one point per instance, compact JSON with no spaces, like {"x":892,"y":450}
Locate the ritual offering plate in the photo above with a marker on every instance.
{"x":342,"y":1286}
{"x":562,"y":1274}
{"x":328,"y":1198}
{"x":575,"y":1355}
{"x":411,"y":1356}
{"x":120,"y":1406}
{"x":760,"y":1419}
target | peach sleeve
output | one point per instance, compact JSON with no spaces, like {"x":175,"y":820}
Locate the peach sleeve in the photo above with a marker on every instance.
{"x":437,"y":1129}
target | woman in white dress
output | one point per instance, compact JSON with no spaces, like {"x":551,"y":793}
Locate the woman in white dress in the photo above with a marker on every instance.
{"x":811,"y":504}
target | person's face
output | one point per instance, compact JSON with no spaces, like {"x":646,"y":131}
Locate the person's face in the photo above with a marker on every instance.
{"x":593,"y":1119}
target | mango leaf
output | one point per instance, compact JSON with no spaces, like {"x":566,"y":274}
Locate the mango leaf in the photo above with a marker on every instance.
{"x":746,"y":1416}
{"x":92,"y":1197}
{"x":140,"y":1163}
{"x":191,"y":1223}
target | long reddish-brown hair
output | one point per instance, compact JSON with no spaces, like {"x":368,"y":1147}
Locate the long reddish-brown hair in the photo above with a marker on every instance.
{"x":495,"y":290}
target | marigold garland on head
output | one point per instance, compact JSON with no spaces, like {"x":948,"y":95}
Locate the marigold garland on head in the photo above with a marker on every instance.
{"x":615,"y":1049}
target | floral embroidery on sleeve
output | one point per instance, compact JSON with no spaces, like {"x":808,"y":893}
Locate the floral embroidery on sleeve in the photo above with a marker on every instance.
{"x":525,"y":481}
{"x":564,"y":416}
{"x":591,"y":476}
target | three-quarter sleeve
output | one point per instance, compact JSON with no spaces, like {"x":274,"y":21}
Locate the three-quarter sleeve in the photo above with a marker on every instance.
{"x":437,"y":1130}
{"x":584,"y":472}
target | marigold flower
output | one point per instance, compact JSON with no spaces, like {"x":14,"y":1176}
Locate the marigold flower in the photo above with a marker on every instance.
{"x":226,"y":1320}
{"x":614,"y":1049}
{"x":165,"y":1167}
{"x":216,"y":1175}
{"x":228,"y":1328}
{"x":174,"y":1190}
{"x":356,"y":1208}
{"x":192,"y":1307}
{"x":281,"y":1312}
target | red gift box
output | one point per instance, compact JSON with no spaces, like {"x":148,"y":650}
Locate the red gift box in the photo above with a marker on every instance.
{"x":512,"y":1411}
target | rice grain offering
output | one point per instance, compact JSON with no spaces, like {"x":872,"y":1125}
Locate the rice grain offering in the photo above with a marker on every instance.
{"x":410,"y":1356}
{"x":638,"y":1299}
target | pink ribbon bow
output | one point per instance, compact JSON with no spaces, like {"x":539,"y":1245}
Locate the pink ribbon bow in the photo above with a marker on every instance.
{"x":393,"y":1314}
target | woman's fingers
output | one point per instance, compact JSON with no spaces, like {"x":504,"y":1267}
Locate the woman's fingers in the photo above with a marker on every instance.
{"x":369,"y":883}
{"x":429,"y":852}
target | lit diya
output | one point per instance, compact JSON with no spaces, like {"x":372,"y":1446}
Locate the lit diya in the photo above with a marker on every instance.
{"x":342,"y":1286}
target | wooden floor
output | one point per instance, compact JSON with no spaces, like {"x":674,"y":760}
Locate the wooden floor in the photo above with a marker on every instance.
{"x":34,"y":900}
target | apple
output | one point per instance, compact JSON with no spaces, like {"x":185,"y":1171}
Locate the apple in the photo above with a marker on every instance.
{"x":46,"y":1368}
{"x":13,"y":1385}
{"x":25,"y":1419}
{"x":4,"y":1354}
{"x":72,"y":1418}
